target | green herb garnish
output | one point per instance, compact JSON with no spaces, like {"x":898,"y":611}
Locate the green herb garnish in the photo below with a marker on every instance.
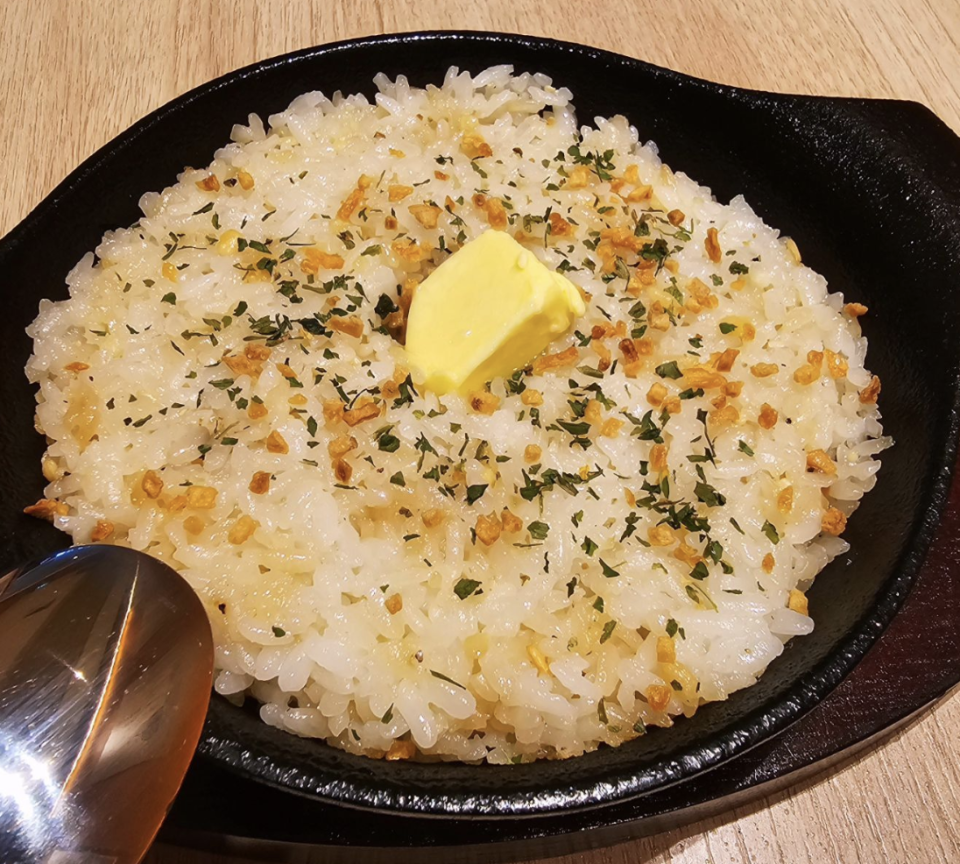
{"x":465,"y":587}
{"x":669,"y":370}
{"x":475,"y":492}
{"x":770,"y":530}
{"x":538,"y":530}
{"x":608,"y":571}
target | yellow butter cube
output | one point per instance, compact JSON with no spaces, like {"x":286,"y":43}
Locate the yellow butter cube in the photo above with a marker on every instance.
{"x":487,"y":311}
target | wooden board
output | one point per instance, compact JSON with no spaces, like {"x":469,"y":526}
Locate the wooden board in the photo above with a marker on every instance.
{"x":74,"y":73}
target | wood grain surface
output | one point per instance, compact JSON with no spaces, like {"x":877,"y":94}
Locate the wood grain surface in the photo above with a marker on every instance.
{"x":74,"y":73}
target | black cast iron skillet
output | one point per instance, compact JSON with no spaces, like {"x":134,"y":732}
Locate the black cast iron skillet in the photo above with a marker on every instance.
{"x":870,"y":190}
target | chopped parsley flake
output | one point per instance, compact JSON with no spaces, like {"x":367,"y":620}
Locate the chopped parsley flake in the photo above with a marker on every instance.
{"x":538,"y":530}
{"x":475,"y":492}
{"x":608,"y":629}
{"x":708,"y":495}
{"x":443,"y":677}
{"x":385,"y":441}
{"x":770,"y":530}
{"x":608,"y":571}
{"x":669,"y":370}
{"x":465,"y":587}
{"x":385,"y":306}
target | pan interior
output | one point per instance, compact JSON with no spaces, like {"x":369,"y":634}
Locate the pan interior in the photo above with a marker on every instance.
{"x":837,"y":176}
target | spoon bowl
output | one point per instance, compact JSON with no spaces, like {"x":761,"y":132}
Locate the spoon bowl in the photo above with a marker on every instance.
{"x":106,"y":661}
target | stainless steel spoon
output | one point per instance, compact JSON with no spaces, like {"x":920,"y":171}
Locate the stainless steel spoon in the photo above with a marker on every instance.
{"x":106,"y":661}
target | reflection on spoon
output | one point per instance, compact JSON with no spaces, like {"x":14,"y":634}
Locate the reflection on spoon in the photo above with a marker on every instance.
{"x":106,"y":660}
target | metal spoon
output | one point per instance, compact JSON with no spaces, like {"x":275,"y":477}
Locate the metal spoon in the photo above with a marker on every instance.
{"x":106,"y":660}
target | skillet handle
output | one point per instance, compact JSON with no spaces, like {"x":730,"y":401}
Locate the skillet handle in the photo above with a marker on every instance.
{"x":929,"y":147}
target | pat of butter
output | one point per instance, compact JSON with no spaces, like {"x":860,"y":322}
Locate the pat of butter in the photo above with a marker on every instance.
{"x":485,"y":312}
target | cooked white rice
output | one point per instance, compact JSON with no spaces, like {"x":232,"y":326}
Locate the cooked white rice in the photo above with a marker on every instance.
{"x":348,"y":589}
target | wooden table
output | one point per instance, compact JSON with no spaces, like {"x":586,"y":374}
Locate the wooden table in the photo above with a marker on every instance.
{"x":74,"y":73}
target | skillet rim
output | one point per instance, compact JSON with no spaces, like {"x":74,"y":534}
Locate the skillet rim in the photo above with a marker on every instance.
{"x":803,"y":695}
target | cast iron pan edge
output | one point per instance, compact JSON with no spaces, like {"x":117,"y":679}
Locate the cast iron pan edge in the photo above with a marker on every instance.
{"x":341,"y":779}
